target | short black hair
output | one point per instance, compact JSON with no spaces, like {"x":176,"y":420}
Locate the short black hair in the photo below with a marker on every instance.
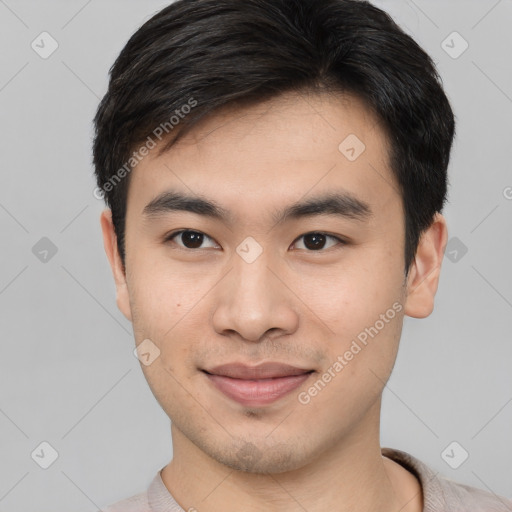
{"x":196,"y":56}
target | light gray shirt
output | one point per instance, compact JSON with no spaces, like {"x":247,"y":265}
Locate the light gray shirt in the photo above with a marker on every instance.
{"x":439,"y":493}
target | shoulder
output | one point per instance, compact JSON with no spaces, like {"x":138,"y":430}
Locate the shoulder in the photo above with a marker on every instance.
{"x":471,"y":499}
{"x":136,"y":503}
{"x":156,"y":497}
{"x":441,"y":494}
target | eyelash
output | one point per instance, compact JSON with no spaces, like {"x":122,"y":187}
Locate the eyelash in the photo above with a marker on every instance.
{"x":171,"y":236}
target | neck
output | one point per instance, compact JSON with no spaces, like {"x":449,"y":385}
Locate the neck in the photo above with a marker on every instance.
{"x":350,"y":475}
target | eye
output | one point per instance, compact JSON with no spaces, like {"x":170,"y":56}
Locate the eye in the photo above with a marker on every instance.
{"x":316,"y":241}
{"x":189,"y":239}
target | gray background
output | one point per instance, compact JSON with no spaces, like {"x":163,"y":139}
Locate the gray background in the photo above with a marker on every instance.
{"x":68,"y":375}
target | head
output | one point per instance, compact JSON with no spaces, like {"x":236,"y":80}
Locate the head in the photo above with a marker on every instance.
{"x":275,"y":173}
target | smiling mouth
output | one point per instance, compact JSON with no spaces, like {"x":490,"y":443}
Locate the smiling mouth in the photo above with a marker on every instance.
{"x":256,"y":385}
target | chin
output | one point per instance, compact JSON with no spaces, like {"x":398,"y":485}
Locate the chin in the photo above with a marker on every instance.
{"x":249,"y":457}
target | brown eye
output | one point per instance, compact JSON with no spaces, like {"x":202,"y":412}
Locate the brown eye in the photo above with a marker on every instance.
{"x":189,"y":239}
{"x":317,"y":241}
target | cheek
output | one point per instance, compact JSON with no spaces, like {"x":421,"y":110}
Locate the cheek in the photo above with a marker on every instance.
{"x":163,"y":295}
{"x":357,"y":367}
{"x":161,"y":307}
{"x":362,"y":308}
{"x":351,"y":296}
{"x":168,"y":312}
{"x":173,"y":307}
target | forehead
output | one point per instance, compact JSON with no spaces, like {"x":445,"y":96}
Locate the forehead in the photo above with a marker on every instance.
{"x":274,"y":152}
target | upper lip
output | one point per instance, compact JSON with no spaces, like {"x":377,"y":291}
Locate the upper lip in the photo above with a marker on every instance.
{"x":261,"y":371}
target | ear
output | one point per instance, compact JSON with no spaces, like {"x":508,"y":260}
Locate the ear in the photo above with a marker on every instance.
{"x":424,"y":273}
{"x":118,"y":270}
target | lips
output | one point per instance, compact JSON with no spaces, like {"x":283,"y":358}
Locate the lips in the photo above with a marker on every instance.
{"x":256,"y":385}
{"x":262,"y":371}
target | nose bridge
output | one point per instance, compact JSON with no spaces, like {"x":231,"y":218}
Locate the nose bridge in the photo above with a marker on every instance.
{"x":252,"y":277}
{"x":252,"y":299}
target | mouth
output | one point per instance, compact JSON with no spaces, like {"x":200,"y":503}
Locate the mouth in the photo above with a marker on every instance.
{"x":256,"y":386}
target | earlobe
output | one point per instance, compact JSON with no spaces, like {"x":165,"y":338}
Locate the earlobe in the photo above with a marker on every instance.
{"x":118,"y":270}
{"x":425,"y":271}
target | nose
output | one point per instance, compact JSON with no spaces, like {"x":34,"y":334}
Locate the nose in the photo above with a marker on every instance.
{"x":255,"y":299}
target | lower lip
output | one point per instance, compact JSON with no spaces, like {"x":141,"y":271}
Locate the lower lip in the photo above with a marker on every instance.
{"x":256,"y":393}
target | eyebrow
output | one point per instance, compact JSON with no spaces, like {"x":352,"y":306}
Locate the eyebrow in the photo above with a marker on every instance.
{"x":342,"y":204}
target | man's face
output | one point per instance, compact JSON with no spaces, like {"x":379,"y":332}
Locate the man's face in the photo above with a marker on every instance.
{"x":255,"y":290}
